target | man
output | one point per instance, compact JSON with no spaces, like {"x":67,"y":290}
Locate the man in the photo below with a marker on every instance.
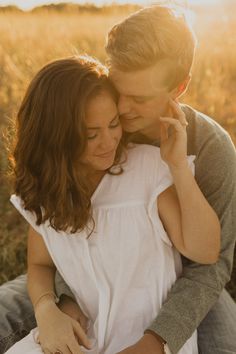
{"x":150,"y":58}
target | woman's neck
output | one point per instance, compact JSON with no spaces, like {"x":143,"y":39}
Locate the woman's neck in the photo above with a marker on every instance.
{"x":94,"y":178}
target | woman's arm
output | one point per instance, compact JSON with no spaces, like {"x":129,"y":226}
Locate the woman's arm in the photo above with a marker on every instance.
{"x":189,"y":220}
{"x":57,"y":331}
{"x":41,"y":271}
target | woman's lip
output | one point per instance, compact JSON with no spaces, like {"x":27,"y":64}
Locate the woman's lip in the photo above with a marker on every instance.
{"x":107,"y":154}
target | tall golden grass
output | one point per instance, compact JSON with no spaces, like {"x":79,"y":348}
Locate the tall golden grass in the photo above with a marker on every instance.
{"x":29,"y":40}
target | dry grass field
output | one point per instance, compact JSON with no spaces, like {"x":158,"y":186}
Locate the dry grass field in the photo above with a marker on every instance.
{"x":29,"y":40}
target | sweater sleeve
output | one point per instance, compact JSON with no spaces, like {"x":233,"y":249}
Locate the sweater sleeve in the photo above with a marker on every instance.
{"x":199,"y":287}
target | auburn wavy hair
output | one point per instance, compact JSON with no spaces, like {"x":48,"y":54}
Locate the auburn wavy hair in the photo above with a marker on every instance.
{"x":51,"y":137}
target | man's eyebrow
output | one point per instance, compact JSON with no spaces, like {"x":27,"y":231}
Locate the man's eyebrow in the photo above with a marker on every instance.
{"x":116,"y":116}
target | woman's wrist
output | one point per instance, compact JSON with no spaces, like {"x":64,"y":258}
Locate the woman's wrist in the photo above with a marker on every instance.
{"x":179,"y":167}
{"x":48,"y":298}
{"x":44,"y":310}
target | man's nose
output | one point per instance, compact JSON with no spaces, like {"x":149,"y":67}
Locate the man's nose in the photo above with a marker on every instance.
{"x":123,"y":104}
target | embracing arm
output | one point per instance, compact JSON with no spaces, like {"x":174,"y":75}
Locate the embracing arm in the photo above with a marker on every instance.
{"x":189,"y":220}
{"x":199,"y":287}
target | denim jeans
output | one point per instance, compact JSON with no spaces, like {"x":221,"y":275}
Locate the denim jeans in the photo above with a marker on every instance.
{"x":216,"y":333}
{"x":16,"y":312}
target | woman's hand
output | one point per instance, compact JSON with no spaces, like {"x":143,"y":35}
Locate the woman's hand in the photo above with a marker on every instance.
{"x":58,"y":331}
{"x":174,"y":137}
{"x":72,"y":309}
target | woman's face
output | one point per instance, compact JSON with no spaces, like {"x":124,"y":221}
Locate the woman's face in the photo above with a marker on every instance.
{"x":103,"y":131}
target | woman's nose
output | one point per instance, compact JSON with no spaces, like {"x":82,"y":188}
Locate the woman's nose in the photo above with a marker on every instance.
{"x":108,"y":141}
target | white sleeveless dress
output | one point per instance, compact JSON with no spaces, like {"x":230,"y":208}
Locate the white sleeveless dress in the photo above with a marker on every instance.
{"x":121,"y":274}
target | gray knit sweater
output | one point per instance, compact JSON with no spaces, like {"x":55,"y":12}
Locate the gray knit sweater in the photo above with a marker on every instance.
{"x":199,"y":287}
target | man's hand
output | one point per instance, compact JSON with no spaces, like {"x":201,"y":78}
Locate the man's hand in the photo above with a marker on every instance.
{"x":148,"y":344}
{"x":72,"y":309}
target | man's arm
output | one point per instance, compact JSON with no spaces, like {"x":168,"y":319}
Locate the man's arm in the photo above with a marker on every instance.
{"x":196,"y":291}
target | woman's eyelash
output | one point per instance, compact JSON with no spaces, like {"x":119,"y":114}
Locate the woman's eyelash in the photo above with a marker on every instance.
{"x":91,"y":137}
{"x":113,"y":125}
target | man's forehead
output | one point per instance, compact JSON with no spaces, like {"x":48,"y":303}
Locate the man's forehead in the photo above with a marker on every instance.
{"x":149,"y":81}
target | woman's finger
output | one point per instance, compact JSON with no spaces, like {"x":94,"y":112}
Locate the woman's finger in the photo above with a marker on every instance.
{"x":178,"y":126}
{"x":176,"y":108}
{"x":74,"y":347}
{"x":65,"y":350}
{"x":178,"y":113}
{"x":84,"y":321}
{"x":80,"y":333}
{"x":164,"y":131}
{"x":61,"y":349}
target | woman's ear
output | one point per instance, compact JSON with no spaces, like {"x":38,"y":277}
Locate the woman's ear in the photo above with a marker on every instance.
{"x":181,"y":88}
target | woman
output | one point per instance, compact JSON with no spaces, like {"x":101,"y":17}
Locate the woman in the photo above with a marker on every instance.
{"x":100,"y":212}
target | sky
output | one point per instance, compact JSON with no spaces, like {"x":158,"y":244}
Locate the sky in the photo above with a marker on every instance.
{"x":27,"y":5}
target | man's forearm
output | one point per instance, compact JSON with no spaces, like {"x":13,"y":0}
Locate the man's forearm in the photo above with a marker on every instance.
{"x":187,"y":304}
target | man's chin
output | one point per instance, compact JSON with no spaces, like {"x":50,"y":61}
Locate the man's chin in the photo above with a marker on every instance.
{"x":129,"y":130}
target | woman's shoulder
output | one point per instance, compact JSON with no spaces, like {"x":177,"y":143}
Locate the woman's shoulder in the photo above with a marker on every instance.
{"x":29,"y":216}
{"x":140,"y":151}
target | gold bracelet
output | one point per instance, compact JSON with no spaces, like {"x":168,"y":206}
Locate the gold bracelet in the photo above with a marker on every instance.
{"x":48,"y":293}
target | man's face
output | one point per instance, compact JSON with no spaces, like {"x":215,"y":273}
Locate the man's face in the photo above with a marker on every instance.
{"x":143,"y":98}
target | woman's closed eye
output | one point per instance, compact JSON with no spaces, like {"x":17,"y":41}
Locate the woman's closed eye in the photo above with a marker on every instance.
{"x":114,"y":124}
{"x":91,"y":136}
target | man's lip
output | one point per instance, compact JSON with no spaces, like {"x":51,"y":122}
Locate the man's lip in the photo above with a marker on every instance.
{"x":129,"y":118}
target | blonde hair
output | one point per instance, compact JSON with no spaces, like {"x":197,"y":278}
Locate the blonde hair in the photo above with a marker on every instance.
{"x":150,"y":35}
